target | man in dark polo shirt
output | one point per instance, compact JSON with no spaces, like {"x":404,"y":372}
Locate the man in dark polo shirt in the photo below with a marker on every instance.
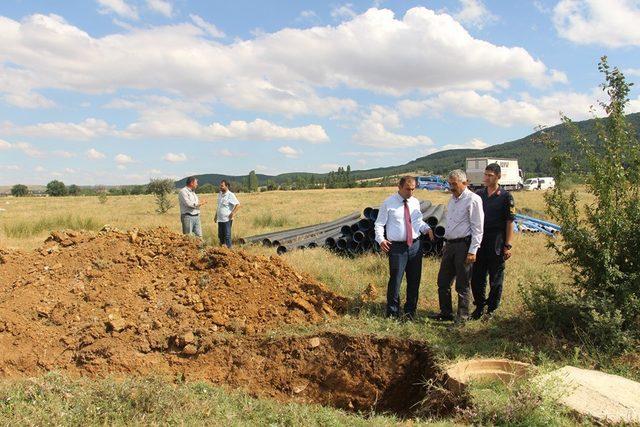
{"x":495,"y":249}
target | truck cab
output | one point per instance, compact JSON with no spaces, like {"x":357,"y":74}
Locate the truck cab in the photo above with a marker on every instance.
{"x":511,"y":176}
{"x":539,"y":183}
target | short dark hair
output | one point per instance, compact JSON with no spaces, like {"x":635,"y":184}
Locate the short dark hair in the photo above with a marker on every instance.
{"x":405,"y":179}
{"x":191,"y":179}
{"x":494,"y":167}
{"x":225,"y":183}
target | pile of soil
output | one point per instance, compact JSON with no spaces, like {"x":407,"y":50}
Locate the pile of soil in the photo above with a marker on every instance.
{"x":155,"y":302}
{"x":84,"y":295}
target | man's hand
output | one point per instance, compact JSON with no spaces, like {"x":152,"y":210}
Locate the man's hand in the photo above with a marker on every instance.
{"x":215,"y":218}
{"x":506,"y":253}
{"x":385,"y":246}
{"x":471,"y":258}
{"x":430,"y":234}
{"x":230,"y":216}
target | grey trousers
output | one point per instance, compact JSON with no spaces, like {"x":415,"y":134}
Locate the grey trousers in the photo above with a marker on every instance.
{"x":452,"y":266}
{"x":191,"y":224}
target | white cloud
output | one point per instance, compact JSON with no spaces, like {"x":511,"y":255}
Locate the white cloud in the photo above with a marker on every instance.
{"x":121,"y":167}
{"x":327,"y":167}
{"x":344,"y":11}
{"x":176,"y":125}
{"x":474,"y":13}
{"x":161,"y":6}
{"x":361,"y":162}
{"x":278,"y":72}
{"x":94,"y":154}
{"x":10,"y":167}
{"x":526,"y":110}
{"x":474,"y":143}
{"x":39,"y":169}
{"x":29,"y":149}
{"x":373,"y":131}
{"x":123,"y":159}
{"x":376,"y":154}
{"x":175,"y":158}
{"x":541,"y":7}
{"x":289,"y":152}
{"x":632,"y":72}
{"x":308,"y":16}
{"x":64,"y":154}
{"x":208,"y":27}
{"x":119,"y":7}
{"x":69,"y":170}
{"x":28,"y":99}
{"x":88,"y":129}
{"x":611,"y":23}
{"x":4,"y":145}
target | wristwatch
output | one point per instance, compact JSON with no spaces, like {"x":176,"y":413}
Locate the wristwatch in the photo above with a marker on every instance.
{"x":508,"y":245}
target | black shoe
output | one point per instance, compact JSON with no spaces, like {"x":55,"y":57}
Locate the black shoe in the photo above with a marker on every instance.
{"x":477,"y":313}
{"x":441,"y":317}
{"x":409,"y":317}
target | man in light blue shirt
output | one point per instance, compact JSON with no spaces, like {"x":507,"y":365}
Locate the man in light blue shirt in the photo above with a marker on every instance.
{"x":228,"y":205}
{"x":400,"y":217}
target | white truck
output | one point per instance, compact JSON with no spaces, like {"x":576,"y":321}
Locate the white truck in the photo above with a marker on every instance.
{"x":539,"y":183}
{"x":511,"y":174}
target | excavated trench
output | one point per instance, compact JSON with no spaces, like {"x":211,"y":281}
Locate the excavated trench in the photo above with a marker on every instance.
{"x":155,"y":303}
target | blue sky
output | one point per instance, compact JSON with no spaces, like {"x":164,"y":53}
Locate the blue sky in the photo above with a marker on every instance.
{"x":119,"y":91}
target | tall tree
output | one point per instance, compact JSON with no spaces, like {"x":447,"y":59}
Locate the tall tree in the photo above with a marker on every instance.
{"x":19,"y":190}
{"x":56,"y":188}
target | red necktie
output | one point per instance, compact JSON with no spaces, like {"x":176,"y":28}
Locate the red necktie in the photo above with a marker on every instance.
{"x":407,"y":224}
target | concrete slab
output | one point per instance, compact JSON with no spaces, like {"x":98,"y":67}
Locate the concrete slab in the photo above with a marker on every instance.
{"x":605,"y":397}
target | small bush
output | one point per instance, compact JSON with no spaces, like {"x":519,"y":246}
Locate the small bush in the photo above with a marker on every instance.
{"x":162,"y":188}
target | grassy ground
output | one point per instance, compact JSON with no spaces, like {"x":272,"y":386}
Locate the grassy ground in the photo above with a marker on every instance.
{"x":52,"y":399}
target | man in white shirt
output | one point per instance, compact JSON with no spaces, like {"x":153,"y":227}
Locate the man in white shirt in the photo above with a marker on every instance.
{"x":463,"y":235}
{"x":190,"y":208}
{"x":401,"y":217}
{"x":228,"y":205}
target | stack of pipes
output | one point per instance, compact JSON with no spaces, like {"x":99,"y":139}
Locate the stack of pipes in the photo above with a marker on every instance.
{"x":526,"y":223}
{"x":350,"y":235}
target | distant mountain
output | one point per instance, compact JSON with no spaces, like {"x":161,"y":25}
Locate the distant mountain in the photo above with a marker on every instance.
{"x":533,"y":157}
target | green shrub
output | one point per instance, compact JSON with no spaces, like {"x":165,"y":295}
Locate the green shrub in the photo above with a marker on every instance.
{"x":600,"y":242}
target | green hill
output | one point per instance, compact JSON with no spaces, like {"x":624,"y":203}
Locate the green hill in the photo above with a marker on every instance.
{"x":533,"y":157}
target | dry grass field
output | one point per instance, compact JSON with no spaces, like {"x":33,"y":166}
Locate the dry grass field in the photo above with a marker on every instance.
{"x":26,"y":222}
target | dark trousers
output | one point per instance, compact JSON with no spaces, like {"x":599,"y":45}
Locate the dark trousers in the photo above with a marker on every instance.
{"x":453,"y":266}
{"x":491,"y":261}
{"x":403,"y":258}
{"x":224,"y":233}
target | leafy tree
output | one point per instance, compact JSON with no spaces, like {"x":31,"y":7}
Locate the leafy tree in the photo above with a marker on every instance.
{"x":56,"y":188}
{"x":19,"y":190}
{"x":253,"y":181}
{"x":161,"y":189}
{"x":206,"y":189}
{"x":599,"y":242}
{"x":73,"y":190}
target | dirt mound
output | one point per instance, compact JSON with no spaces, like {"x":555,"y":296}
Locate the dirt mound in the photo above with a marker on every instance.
{"x":85,"y":296}
{"x":155,"y":302}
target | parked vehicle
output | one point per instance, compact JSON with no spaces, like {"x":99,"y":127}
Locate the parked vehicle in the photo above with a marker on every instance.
{"x":432,"y":182}
{"x":539,"y":183}
{"x":511,"y":176}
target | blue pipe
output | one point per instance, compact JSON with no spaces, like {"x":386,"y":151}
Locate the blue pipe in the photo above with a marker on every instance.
{"x":539,"y":221}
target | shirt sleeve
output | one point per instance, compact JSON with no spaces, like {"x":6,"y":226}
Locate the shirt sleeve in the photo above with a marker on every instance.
{"x":381,"y":221}
{"x":416,"y":219}
{"x":477,"y":224}
{"x":510,"y":207}
{"x":234,"y":200}
{"x":184,"y":200}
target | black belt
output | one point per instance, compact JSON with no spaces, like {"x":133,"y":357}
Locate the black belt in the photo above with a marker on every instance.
{"x":466,"y":239}
{"x":404,"y":241}
{"x":188,"y":214}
